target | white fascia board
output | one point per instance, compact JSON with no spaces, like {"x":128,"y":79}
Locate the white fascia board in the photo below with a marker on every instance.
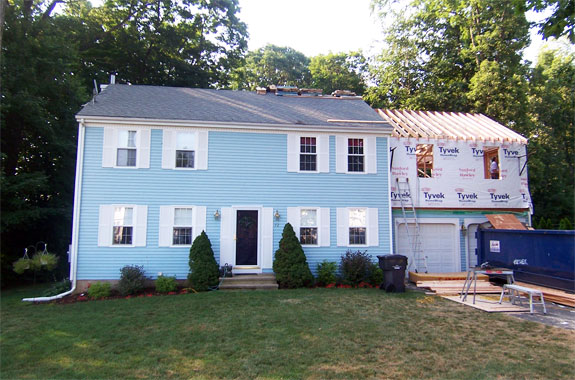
{"x":97,"y":121}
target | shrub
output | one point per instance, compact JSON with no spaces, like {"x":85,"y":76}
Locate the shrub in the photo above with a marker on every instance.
{"x":132,"y":279}
{"x":57,"y":288}
{"x":99,"y":290}
{"x":565,"y":224}
{"x":204,"y":270}
{"x":326,"y":272}
{"x":375,"y":276}
{"x":290,"y":263}
{"x":166,"y":284}
{"x":355,"y":267}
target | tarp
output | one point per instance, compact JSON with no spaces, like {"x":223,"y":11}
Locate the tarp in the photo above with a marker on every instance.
{"x":458,"y":178}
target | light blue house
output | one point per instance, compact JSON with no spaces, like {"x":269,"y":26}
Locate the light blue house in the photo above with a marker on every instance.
{"x":157,"y":165}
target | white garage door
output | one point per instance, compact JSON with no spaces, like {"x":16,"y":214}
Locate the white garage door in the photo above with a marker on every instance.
{"x":438,"y":243}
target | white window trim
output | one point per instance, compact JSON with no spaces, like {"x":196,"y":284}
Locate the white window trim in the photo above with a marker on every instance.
{"x":166,"y":232}
{"x":371,"y":230}
{"x":106,"y":226}
{"x":293,"y":152}
{"x":169,"y":148}
{"x":323,"y":224}
{"x":369,"y":154}
{"x":110,"y":147}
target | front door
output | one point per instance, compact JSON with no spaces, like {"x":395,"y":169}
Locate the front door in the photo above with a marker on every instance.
{"x":247,"y":237}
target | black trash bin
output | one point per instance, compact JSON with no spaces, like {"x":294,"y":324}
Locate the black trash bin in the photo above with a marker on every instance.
{"x":393,"y":267}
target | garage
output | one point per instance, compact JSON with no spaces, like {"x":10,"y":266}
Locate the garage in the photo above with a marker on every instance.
{"x":439,"y":243}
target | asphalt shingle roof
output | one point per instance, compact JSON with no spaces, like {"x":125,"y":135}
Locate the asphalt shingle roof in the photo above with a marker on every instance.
{"x":194,"y":104}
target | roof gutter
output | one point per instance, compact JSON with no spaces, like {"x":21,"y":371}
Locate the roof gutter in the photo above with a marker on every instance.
{"x":75,"y":221}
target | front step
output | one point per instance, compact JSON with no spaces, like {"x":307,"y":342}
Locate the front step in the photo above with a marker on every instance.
{"x":250,"y":282}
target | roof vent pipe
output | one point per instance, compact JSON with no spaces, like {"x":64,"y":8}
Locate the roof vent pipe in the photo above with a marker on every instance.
{"x":112,"y":79}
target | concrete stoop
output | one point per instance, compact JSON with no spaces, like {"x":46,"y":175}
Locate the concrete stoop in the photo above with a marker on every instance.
{"x":250,"y":282}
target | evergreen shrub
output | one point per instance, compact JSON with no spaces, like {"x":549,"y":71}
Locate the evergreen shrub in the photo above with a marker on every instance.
{"x":356,"y":267}
{"x":99,"y":290}
{"x":326,"y":273}
{"x":204,"y":270}
{"x":165,"y":284}
{"x":290,"y":264}
{"x":565,"y":224}
{"x":132,"y":279}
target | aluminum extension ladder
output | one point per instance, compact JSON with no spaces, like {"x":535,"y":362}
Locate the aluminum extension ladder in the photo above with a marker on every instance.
{"x":410,"y":217}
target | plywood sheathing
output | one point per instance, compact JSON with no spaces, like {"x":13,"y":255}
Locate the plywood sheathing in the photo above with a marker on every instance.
{"x":448,"y":125}
{"x":415,"y":277}
{"x":505,"y":222}
{"x":488,"y":304}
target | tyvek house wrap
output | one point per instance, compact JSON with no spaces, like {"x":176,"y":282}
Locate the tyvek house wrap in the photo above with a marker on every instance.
{"x":458,"y":179}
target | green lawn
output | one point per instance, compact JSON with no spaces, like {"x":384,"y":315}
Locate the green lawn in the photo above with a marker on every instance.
{"x":287,"y":334}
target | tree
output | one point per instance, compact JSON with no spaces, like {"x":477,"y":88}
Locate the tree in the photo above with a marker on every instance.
{"x":552,"y":147}
{"x":40,"y":95}
{"x":338,"y":72}
{"x":191,"y":43}
{"x":290,"y":263}
{"x":437,"y":47}
{"x":272,"y":65}
{"x":560,"y":23}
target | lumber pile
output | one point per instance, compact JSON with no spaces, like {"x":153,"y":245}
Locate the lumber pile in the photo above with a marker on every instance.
{"x":454,"y":287}
{"x":552,"y":295}
{"x":415,"y":277}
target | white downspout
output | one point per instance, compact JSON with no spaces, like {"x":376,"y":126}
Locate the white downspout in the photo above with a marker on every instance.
{"x":75,"y":221}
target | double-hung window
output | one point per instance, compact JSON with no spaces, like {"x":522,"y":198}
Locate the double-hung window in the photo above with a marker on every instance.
{"x":123,"y":230}
{"x":357,"y":226}
{"x":181,"y":224}
{"x":126,"y":151}
{"x":308,"y":154}
{"x":355,"y":155}
{"x":183,"y":221}
{"x":308,"y":230}
{"x":185,"y":149}
{"x":122,"y":225}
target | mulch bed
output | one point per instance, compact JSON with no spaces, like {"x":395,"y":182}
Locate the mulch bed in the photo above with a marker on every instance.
{"x":148,"y":292}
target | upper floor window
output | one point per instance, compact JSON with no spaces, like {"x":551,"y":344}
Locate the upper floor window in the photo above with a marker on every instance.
{"x":424,"y":158}
{"x":185,"y":149}
{"x":308,"y":226}
{"x":182,"y":231}
{"x":126,"y":148}
{"x":123,"y":230}
{"x":126,"y":153}
{"x":308,"y":154}
{"x":355,"y":155}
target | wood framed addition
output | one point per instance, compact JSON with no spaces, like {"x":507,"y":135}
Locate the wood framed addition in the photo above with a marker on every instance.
{"x":424,"y":157}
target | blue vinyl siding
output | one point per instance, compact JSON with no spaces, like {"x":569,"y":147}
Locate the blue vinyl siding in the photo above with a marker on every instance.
{"x":243,"y":169}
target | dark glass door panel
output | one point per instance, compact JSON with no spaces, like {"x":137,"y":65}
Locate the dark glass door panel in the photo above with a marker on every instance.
{"x":247,"y":237}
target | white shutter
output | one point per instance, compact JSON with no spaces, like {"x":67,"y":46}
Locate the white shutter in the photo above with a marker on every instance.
{"x":199,"y":221}
{"x":340,"y":154}
{"x":324,"y":227}
{"x":267,"y":237}
{"x":342,"y":227}
{"x":105,"y":225}
{"x":293,"y":147}
{"x":372,"y":227}
{"x":202,"y":152}
{"x":141,"y":225}
{"x":293,"y":218}
{"x":323,"y":154}
{"x":144,"y":148}
{"x":109,"y":147}
{"x":227,"y":241}
{"x":371,"y":155}
{"x":166,"y":226}
{"x":168,"y":149}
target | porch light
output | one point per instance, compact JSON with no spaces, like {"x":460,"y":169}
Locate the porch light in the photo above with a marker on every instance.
{"x":217,"y":214}
{"x":463,"y":229}
{"x":277,"y":214}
